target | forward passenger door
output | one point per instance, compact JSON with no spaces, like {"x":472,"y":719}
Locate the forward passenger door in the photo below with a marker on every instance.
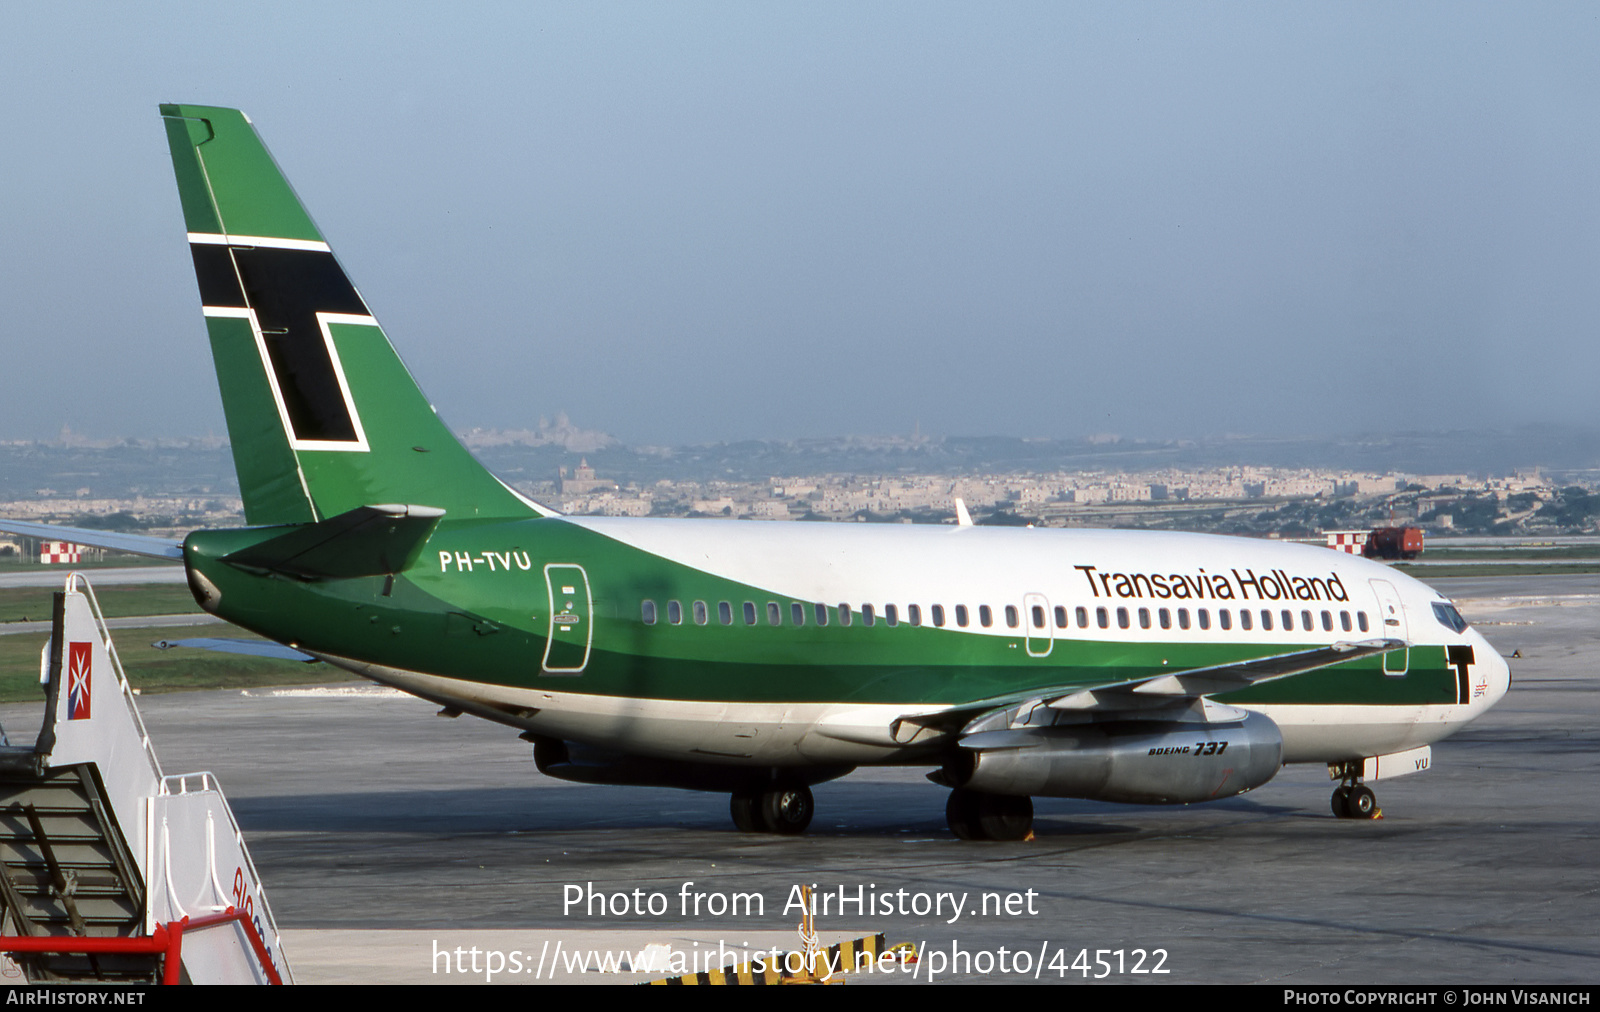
{"x":1392,"y":625}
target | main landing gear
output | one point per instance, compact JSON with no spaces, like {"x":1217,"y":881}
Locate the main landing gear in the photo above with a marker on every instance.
{"x":1354,"y":800}
{"x":780,"y":808}
{"x":974,"y":815}
{"x":786,"y":809}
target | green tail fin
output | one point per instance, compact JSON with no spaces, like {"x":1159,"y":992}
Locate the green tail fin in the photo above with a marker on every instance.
{"x":323,"y":415}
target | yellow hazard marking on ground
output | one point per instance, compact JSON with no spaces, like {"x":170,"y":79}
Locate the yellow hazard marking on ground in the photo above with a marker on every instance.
{"x":828,"y":966}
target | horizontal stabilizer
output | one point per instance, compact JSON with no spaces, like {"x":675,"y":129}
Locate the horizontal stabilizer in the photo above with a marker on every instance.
{"x":133,"y":544}
{"x":366,"y":541}
{"x":250,"y":648}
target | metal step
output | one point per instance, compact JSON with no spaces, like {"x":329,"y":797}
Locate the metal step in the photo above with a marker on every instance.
{"x":65,"y":870}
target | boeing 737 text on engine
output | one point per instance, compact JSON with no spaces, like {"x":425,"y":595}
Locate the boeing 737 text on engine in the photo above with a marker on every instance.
{"x":759,"y":659}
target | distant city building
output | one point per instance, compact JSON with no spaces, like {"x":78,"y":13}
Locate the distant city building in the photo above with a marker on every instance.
{"x":583,"y":480}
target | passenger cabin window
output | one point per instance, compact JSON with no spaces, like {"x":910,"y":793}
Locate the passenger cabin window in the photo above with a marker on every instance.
{"x":647,"y":611}
{"x":674,"y":613}
{"x":1361,"y":620}
{"x":844,"y":614}
{"x":1244,"y":618}
{"x":1037,"y":611}
{"x":1183,"y":618}
{"x":1266,"y":620}
{"x":1344,"y":621}
{"x":774,"y":613}
{"x":1011,"y":616}
{"x":914,"y":614}
{"x":1224,"y":618}
{"x":985,"y":616}
{"x":1144,"y":618}
{"x":961,"y":615}
{"x":724,"y":613}
{"x":749,"y":613}
{"x":1288,"y":620}
{"x":1122,"y":618}
{"x":1083,"y":618}
{"x":1327,"y":621}
{"x":1305,"y":621}
{"x":867,"y":615}
{"x":1165,"y":615}
{"x":797,"y":612}
{"x":1061,"y":617}
{"x":938,"y":615}
{"x":822,"y":614}
{"x":1204,"y":615}
{"x":1102,"y":617}
{"x":701,"y":615}
{"x":891,"y":615}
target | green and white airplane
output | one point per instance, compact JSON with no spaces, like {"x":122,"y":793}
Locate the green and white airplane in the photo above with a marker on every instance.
{"x":762,"y":658}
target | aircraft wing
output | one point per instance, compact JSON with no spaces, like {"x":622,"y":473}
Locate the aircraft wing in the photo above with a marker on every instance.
{"x":133,"y":544}
{"x":1158,"y":690}
{"x":1210,"y":681}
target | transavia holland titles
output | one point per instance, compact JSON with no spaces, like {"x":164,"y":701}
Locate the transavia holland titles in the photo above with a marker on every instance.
{"x":1273,"y":585}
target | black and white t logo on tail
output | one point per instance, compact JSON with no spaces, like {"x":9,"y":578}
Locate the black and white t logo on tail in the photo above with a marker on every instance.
{"x":290,"y":290}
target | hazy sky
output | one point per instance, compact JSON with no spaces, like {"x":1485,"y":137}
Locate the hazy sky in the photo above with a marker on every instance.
{"x":692,"y":222}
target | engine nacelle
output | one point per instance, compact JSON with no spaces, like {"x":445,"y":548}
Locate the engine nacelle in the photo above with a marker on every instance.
{"x":1136,"y":761}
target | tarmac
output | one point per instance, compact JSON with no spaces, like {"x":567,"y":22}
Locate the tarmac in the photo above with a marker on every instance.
{"x":387,"y":835}
{"x":110,"y":576}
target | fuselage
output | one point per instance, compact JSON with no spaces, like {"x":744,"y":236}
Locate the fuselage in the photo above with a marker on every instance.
{"x":795,"y":644}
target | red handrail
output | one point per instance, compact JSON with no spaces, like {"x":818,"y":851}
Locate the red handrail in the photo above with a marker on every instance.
{"x":157,"y":942}
{"x":167,"y":938}
{"x":177,"y":928}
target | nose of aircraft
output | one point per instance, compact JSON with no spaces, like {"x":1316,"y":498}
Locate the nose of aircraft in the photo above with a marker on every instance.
{"x":1493,"y":674}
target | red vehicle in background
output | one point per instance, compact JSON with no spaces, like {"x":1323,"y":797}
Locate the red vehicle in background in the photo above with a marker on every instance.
{"x":1393,"y":543}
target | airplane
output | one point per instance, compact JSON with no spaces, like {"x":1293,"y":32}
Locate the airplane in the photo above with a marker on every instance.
{"x":760,"y":659}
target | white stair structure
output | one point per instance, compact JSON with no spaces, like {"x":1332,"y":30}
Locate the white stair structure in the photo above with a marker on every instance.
{"x":110,"y":870}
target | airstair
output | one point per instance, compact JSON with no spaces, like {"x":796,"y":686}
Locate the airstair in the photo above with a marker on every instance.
{"x":109,"y":870}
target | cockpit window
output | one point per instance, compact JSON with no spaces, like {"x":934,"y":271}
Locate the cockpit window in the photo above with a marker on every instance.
{"x":1448,"y":617}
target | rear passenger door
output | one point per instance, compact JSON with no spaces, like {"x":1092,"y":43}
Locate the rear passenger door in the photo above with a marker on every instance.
{"x":571,"y":631}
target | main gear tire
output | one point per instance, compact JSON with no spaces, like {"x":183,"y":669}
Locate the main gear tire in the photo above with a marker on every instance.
{"x":787,"y":809}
